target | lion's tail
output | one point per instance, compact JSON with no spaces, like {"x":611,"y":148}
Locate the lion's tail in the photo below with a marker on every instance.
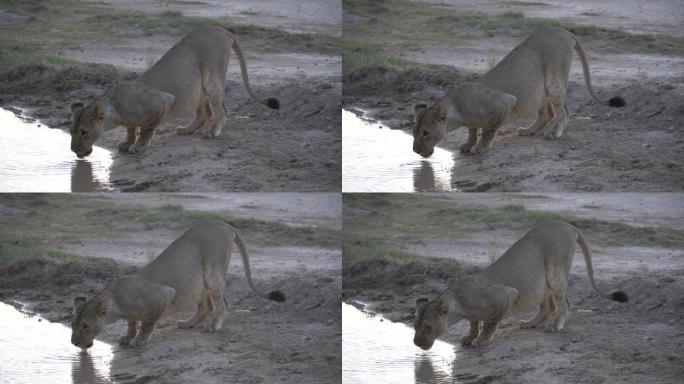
{"x":273,"y":295}
{"x":617,"y":295}
{"x":616,"y":101}
{"x":271,"y":102}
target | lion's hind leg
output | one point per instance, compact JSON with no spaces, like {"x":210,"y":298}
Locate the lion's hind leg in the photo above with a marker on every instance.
{"x":216,"y":126}
{"x":546,"y":114}
{"x":216,"y":283}
{"x":203,"y":115}
{"x":559,"y":287}
{"x":557,"y":125}
{"x":204,"y":308}
{"x":546,"y":309}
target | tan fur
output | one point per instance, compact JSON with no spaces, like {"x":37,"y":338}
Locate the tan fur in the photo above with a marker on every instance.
{"x":531,"y":79}
{"x":189,"y":274}
{"x":188,"y":79}
{"x":533,"y":273}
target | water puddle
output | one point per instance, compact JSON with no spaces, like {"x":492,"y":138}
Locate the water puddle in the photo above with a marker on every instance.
{"x":377,"y":158}
{"x":375,"y":350}
{"x":37,"y":351}
{"x":35,"y":158}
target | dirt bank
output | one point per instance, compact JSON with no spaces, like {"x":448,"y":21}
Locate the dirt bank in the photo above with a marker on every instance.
{"x":261,"y":341}
{"x":635,"y":148}
{"x":399,"y":248}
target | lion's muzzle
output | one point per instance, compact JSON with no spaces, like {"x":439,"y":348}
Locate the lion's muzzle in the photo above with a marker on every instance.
{"x":422,"y":344}
{"x":83,"y":154}
{"x":422,"y":149}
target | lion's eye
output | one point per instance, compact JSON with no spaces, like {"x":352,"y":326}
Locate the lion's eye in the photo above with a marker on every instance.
{"x":426,"y":134}
{"x":85,"y":326}
{"x":83,"y":133}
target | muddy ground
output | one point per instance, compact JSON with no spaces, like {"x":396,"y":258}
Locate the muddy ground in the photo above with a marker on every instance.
{"x":57,"y":257}
{"x":402,"y":247}
{"x":425,"y":49}
{"x":67,"y":56}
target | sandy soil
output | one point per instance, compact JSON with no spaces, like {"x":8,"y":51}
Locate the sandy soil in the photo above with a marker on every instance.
{"x":261,"y":342}
{"x":643,"y":139}
{"x":296,"y":148}
{"x":603,"y":342}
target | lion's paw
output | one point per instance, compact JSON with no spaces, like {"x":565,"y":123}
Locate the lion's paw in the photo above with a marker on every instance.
{"x":123,"y":146}
{"x":467,"y":340}
{"x":465,"y":147}
{"x":125,"y":340}
{"x":139,"y":342}
{"x":480,"y":342}
{"x":478,"y":150}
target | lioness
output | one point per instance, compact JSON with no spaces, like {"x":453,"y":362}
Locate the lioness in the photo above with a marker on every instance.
{"x":188,"y":79}
{"x":531,"y":79}
{"x":533,"y":272}
{"x":190,"y":273}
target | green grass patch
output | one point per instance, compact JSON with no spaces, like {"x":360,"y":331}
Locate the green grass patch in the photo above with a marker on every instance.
{"x":354,"y":60}
{"x":175,"y":22}
{"x":102,"y":218}
{"x":16,"y":53}
{"x":12,"y":252}
{"x":401,"y":25}
{"x":70,"y":24}
{"x":525,"y":3}
{"x":354,"y":254}
{"x":151,"y":23}
{"x":415,"y":219}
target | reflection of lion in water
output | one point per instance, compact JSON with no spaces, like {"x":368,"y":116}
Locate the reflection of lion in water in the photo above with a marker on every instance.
{"x":188,"y":79}
{"x":532,"y":79}
{"x":532,"y":273}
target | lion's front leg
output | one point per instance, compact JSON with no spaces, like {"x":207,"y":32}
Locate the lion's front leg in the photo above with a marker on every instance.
{"x":130,"y":333}
{"x":485,"y":142}
{"x":143,"y":141}
{"x":472,"y":140}
{"x":487,"y":335}
{"x":472,"y":334}
{"x":130,"y":139}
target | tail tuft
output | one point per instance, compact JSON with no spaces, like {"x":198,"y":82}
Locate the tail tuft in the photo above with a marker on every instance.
{"x":619,"y":296}
{"x":273,"y":103}
{"x":280,"y":297}
{"x":617,"y":102}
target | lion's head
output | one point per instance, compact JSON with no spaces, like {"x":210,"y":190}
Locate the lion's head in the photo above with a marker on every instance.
{"x":430,"y":128}
{"x":87,"y":125}
{"x":431,"y":321}
{"x":88,"y":320}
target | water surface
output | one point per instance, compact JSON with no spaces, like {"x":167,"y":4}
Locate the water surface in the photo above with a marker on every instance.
{"x":37,"y":351}
{"x":376,"y":350}
{"x":35,"y":158}
{"x":376,"y":158}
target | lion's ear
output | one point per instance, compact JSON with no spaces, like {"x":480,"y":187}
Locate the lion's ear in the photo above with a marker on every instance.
{"x":420,"y":303}
{"x":444,"y":305}
{"x":76,"y":108}
{"x":442,"y":111}
{"x":99,"y":111}
{"x":78,"y":303}
{"x":419,"y":108}
{"x":102,"y":305}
